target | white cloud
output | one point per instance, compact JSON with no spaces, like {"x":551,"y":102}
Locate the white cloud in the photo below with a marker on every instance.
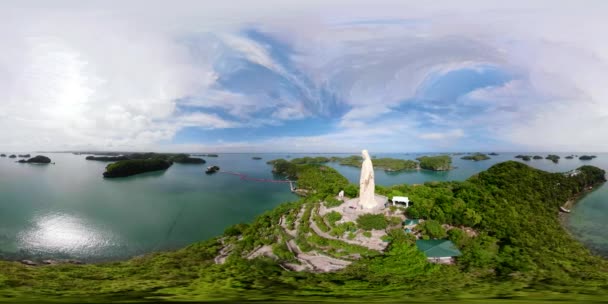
{"x":449,"y":135}
{"x":114,"y":74}
{"x":205,"y":120}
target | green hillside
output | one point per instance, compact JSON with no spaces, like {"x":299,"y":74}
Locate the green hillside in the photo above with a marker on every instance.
{"x":518,"y":251}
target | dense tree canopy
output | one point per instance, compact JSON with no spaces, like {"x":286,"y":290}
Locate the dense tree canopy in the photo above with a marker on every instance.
{"x":435,"y":163}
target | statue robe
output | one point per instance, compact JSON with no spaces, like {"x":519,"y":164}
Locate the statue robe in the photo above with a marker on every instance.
{"x":367,"y":197}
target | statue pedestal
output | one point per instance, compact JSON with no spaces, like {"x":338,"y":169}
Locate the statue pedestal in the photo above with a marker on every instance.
{"x":351,"y":209}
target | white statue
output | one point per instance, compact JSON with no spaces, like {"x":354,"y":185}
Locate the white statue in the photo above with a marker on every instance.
{"x":341,"y":194}
{"x":367,"y":196}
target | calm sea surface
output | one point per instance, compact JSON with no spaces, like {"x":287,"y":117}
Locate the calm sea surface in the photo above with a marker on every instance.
{"x":68,"y":210}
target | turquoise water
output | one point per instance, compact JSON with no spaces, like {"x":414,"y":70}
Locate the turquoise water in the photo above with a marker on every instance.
{"x":69,"y":210}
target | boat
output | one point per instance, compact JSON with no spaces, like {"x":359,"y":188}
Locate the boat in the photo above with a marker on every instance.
{"x":212,"y":169}
{"x":562,"y":209}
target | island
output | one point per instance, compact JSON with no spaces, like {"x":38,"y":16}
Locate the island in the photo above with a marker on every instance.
{"x":570,"y":157}
{"x":131,"y":167}
{"x":310,"y":160}
{"x":207,"y":155}
{"x":524,"y":157}
{"x":185,"y":159}
{"x":587,"y":157}
{"x":537,"y":157}
{"x":2,"y":155}
{"x":493,"y":154}
{"x":212,"y":169}
{"x":475,"y":157}
{"x":24,"y":155}
{"x":39,"y":159}
{"x":435,"y":163}
{"x":353,"y":160}
{"x":256,"y":158}
{"x":283,"y":167}
{"x":106,"y":158}
{"x":386,"y":163}
{"x":12,"y":156}
{"x":554,"y":158}
{"x":395,"y":165}
{"x":177,"y":158}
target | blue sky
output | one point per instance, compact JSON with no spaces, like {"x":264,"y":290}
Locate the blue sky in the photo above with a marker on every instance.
{"x":320,"y":76}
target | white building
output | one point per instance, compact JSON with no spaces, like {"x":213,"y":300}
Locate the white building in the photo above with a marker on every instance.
{"x":401,"y":200}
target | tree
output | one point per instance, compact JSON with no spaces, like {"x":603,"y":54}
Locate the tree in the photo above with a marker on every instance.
{"x":432,"y":228}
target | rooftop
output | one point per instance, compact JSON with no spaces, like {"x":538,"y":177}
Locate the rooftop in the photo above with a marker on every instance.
{"x":438,"y":248}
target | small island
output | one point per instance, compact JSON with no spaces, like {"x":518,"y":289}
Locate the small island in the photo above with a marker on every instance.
{"x":256,"y":158}
{"x":493,"y":154}
{"x":39,"y":159}
{"x":570,"y":157}
{"x":212,"y":169}
{"x":130,"y":167}
{"x":524,"y":157}
{"x":12,"y":156}
{"x":435,"y":163}
{"x":106,"y":158}
{"x":587,"y":157}
{"x":24,"y":155}
{"x":207,"y":155}
{"x":2,"y":155}
{"x":185,"y":159}
{"x":554,"y":158}
{"x":537,"y":157}
{"x":475,"y":157}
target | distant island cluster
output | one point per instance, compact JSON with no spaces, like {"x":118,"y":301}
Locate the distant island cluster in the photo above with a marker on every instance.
{"x":554,"y":158}
{"x":39,"y":159}
{"x":434,"y":163}
{"x":135,"y":163}
{"x":124,"y":164}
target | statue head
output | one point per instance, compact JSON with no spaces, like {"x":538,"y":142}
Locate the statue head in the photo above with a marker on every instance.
{"x":365,"y":154}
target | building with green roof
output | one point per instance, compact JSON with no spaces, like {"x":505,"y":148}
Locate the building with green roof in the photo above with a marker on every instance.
{"x":438,"y":251}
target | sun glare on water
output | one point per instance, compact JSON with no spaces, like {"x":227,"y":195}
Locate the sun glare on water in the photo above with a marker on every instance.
{"x":65,"y":233}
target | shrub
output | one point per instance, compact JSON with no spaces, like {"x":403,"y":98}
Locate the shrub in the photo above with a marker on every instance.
{"x":367,"y":234}
{"x":331,"y":202}
{"x":351,"y":190}
{"x":235,"y":230}
{"x":333,"y":217}
{"x":393,"y":208}
{"x":351,"y":236}
{"x":321,"y":223}
{"x":282,"y":252}
{"x":371,"y":221}
{"x":394,"y":220}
